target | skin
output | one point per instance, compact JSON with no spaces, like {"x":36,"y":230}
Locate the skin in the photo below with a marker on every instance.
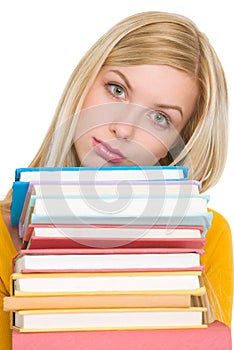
{"x":134,"y":115}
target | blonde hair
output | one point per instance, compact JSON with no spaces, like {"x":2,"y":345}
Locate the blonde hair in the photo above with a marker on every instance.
{"x":151,"y":38}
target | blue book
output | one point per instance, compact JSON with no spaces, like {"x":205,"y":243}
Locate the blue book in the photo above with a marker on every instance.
{"x":23,"y":176}
{"x":93,"y":173}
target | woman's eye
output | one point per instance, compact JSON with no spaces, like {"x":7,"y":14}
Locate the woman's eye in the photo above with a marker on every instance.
{"x":117,"y":90}
{"x":159,"y":119}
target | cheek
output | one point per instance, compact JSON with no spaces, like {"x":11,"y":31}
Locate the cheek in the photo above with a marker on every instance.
{"x":90,"y":100}
{"x":157,"y":148}
{"x":159,"y":143}
{"x":94,"y":97}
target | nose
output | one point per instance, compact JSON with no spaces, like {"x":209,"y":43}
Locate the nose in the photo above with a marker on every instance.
{"x":122,"y":130}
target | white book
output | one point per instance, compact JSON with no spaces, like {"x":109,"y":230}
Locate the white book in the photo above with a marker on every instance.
{"x":137,"y":206}
{"x":115,"y":232}
{"x":98,"y":319}
{"x":105,"y":261}
{"x":124,"y":187}
{"x":105,"y":282}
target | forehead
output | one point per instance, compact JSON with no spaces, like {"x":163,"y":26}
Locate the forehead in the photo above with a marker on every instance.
{"x":162,"y":82}
{"x":151,"y":73}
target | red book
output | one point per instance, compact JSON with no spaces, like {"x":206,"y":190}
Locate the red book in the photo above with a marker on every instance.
{"x":216,"y":337}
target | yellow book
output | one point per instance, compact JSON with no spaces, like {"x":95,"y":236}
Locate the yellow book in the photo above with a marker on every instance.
{"x":117,"y":282}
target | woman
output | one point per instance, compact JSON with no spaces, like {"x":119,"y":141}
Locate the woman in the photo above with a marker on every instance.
{"x":150,"y":91}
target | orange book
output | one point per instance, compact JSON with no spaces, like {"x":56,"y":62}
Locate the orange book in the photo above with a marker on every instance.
{"x":99,"y":301}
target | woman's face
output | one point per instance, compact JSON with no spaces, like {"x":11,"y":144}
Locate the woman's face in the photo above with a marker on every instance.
{"x":134,"y":115}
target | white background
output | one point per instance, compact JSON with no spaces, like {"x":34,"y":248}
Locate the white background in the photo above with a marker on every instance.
{"x":41,"y":43}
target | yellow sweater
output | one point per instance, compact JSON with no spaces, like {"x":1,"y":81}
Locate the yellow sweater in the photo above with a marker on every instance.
{"x":218,"y":261}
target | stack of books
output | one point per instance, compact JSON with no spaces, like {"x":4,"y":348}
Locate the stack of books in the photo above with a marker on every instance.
{"x":104,"y":250}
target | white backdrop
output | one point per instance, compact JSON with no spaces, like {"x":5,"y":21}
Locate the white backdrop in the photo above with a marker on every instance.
{"x":41,"y":43}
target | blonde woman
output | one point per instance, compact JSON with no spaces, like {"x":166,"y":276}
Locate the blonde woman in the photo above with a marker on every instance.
{"x":150,"y":91}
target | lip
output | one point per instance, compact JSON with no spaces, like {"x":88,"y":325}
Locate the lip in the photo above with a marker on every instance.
{"x":107,"y":152}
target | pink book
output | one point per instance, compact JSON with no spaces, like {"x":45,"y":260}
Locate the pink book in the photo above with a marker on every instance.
{"x":66,"y":242}
{"x":216,"y":337}
{"x":111,"y":238}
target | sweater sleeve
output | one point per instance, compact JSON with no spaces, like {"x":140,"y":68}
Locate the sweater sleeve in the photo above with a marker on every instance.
{"x":218,"y":261}
{"x":7,"y":252}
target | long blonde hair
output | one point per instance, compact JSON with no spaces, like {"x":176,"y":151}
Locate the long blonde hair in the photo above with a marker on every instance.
{"x":151,"y":38}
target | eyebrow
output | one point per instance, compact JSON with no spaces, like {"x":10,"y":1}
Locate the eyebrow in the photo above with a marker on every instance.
{"x":123,"y":77}
{"x":164,"y":106}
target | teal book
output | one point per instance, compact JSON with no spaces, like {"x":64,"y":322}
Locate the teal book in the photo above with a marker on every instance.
{"x":160,"y":210}
{"x":203,"y":220}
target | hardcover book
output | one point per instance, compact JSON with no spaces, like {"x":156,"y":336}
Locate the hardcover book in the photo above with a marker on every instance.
{"x":110,"y":236}
{"x":216,"y":336}
{"x":111,"y":208}
{"x":115,"y":259}
{"x":24,"y":175}
{"x":107,"y":319}
{"x":84,"y":301}
{"x":115,"y":282}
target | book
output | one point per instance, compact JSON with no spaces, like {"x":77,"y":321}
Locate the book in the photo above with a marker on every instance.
{"x":110,"y":188}
{"x":150,"y":277}
{"x":53,"y":209}
{"x":122,"y":206}
{"x":203,"y":220}
{"x":79,"y":301}
{"x":120,"y":187}
{"x":116,"y":259}
{"x":107,"y":319}
{"x":217,"y":336}
{"x":114,"y":282}
{"x":24,"y":175}
{"x":102,"y":173}
{"x":108,"y":236}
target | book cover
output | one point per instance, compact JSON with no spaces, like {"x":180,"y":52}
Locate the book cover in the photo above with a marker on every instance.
{"x":216,"y":336}
{"x":86,"y":205}
{"x":112,"y":207}
{"x":102,"y":173}
{"x":182,"y":299}
{"x":105,"y":282}
{"x":108,"y":259}
{"x":203,"y":220}
{"x":100,"y":188}
{"x":24,"y":175}
{"x":44,"y":242}
{"x":113,"y":232}
{"x":133,"y":187}
{"x":107,"y":319}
